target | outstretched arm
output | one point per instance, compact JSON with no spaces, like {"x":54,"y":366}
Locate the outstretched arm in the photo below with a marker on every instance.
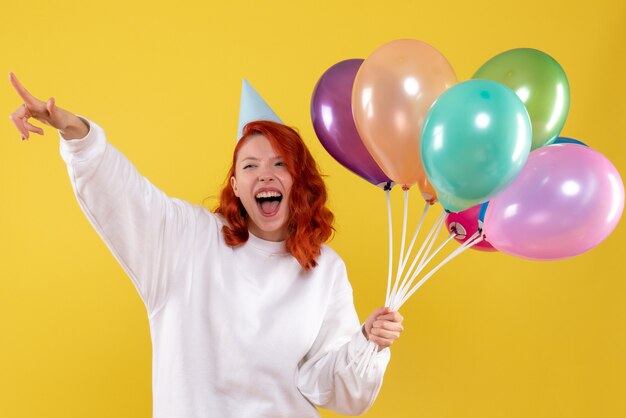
{"x":150,"y":234}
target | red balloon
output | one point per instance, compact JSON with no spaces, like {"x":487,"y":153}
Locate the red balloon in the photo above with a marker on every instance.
{"x":465,"y":224}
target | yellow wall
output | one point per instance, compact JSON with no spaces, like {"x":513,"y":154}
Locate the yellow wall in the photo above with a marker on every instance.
{"x":489,"y":336}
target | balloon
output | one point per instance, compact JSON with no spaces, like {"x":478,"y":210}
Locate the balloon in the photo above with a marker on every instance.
{"x":392,"y":92}
{"x":475,"y":140}
{"x":564,"y":140}
{"x":331,"y":113}
{"x":566,"y":200}
{"x":540,"y":83}
{"x":465,"y":224}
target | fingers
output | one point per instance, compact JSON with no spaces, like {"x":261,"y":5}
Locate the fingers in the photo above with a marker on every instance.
{"x":380,"y":311}
{"x":384,"y":334}
{"x":389,"y":326}
{"x":388,"y":314}
{"x":50,"y":105}
{"x":380,"y":342}
{"x":391,"y":316}
{"x":386,"y":329}
{"x":24,"y":94}
{"x":19,"y":118}
{"x":383,"y":341}
{"x":33,"y":128}
{"x":23,"y":113}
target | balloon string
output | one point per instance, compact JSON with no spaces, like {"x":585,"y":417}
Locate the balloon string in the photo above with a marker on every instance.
{"x":361,"y":355}
{"x":421,"y":267}
{"x":467,"y":245}
{"x":365,"y":364}
{"x":371,"y":363}
{"x":432,"y":241}
{"x":390,"y":246}
{"x":450,"y":237}
{"x":365,"y":356}
{"x":365,"y":352}
{"x":419,"y":254}
{"x":474,"y":239}
{"x":426,"y":257}
{"x":357,"y":356}
{"x":408,"y":253}
{"x":371,"y":350}
{"x":401,"y":257}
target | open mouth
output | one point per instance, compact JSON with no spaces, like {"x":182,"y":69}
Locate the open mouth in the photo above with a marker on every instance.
{"x":269,"y":202}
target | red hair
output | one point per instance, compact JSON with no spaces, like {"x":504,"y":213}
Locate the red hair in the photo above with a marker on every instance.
{"x":309,"y":224}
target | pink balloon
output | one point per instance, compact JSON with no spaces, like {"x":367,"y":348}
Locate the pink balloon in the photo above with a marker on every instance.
{"x":566,"y":200}
{"x":465,"y":224}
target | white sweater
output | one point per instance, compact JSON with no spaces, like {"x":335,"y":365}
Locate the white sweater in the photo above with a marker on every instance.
{"x":242,"y":332}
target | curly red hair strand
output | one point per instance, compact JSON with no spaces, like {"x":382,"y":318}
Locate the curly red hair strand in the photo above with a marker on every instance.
{"x":310,"y":222}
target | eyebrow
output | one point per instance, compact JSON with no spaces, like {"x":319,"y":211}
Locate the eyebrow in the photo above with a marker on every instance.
{"x":278,"y":157}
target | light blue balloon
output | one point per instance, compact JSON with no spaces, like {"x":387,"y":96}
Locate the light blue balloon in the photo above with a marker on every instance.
{"x":475,"y":140}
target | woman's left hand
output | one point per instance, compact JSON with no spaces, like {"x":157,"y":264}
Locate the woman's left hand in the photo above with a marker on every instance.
{"x":383,"y":327}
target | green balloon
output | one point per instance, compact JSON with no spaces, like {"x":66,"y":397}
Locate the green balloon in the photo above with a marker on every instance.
{"x":474,"y":142}
{"x":540,"y":82}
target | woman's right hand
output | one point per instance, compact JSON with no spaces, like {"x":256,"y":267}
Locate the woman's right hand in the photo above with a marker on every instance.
{"x":45,"y":112}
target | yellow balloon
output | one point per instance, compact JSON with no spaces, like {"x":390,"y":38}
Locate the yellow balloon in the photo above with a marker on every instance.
{"x":393,"y":89}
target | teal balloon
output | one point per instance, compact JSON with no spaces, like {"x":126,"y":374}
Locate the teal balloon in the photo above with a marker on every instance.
{"x":475,"y":140}
{"x":540,"y":83}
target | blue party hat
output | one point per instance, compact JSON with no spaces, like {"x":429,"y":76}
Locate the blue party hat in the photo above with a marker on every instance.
{"x":252,"y":107}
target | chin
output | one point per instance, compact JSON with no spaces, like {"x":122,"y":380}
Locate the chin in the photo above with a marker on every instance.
{"x":264,"y":228}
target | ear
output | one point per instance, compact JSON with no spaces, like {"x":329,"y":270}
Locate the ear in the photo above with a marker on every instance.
{"x":233,"y":184}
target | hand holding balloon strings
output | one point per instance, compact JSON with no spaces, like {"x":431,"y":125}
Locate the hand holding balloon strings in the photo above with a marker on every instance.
{"x":402,"y":289}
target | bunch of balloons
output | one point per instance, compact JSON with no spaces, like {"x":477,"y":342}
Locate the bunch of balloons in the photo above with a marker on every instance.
{"x":401,"y":117}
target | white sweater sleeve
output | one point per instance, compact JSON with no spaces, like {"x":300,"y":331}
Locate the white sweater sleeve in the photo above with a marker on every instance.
{"x":323,"y":376}
{"x":148,"y":232}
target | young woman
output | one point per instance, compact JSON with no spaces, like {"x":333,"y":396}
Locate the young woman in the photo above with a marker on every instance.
{"x":251,"y":314}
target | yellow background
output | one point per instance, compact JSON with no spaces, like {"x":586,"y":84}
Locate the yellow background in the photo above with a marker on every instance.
{"x":489,"y":336}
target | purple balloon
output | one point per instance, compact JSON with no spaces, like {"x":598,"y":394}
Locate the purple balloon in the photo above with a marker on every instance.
{"x":566,"y":200}
{"x":331,"y":113}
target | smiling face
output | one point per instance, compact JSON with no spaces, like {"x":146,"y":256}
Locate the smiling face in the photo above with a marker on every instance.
{"x":263,"y":184}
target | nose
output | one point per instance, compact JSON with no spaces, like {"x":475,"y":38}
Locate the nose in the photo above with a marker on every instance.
{"x":266,"y":177}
